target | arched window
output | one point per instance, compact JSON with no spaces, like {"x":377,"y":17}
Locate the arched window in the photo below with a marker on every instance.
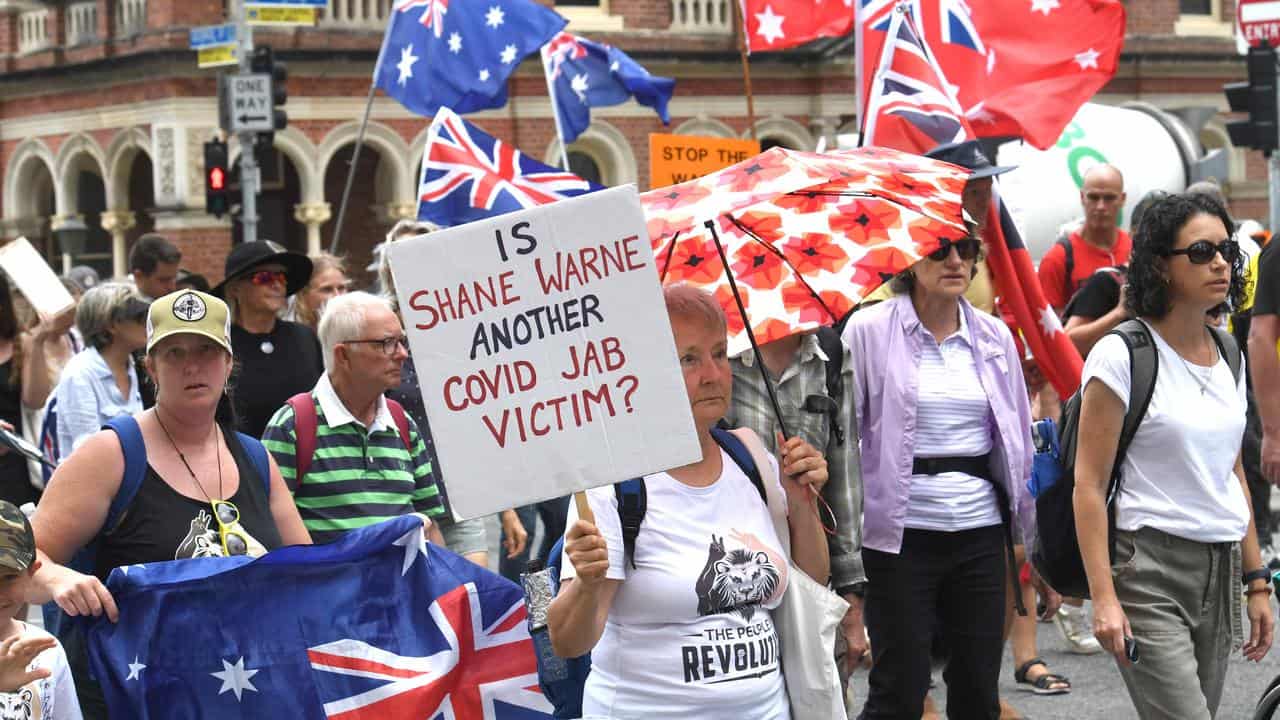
{"x":585,"y":167}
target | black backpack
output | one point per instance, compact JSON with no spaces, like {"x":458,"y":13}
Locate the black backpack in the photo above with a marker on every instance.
{"x":1057,"y":552}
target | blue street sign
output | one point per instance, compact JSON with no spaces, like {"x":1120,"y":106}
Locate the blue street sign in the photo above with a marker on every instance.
{"x":210,"y":35}
{"x":308,"y":3}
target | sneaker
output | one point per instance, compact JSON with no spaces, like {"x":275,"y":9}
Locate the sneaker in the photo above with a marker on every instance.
{"x":1074,"y":624}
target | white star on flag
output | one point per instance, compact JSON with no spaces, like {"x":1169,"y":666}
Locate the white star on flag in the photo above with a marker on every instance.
{"x":1049,"y":321}
{"x":494,"y":17}
{"x":770,"y":27}
{"x":414,"y":544}
{"x":508,"y":54}
{"x":407,"y":60}
{"x":1088,"y":59}
{"x":455,"y":43}
{"x":614,"y":67}
{"x":1044,"y":6}
{"x":235,"y":678}
{"x":579,"y":85}
{"x":484,"y":75}
{"x":135,"y":667}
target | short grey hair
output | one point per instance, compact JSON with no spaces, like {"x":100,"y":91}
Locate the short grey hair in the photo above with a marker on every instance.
{"x":106,"y":304}
{"x":693,"y":303}
{"x":343,"y":319}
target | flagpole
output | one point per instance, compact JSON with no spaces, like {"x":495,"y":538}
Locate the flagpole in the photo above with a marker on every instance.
{"x":744,"y":52}
{"x":555,"y":108}
{"x":351,"y":171}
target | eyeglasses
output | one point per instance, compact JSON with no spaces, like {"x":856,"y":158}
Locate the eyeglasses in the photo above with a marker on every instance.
{"x":268,"y":277}
{"x":1201,"y":252}
{"x":234,"y":539}
{"x":388,"y":344}
{"x":967,"y":248}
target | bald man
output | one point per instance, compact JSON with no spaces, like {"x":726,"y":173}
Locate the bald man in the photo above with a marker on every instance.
{"x":1099,"y":243}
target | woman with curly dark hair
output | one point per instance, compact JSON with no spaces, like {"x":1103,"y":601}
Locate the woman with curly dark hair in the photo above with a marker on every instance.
{"x":1182,"y":517}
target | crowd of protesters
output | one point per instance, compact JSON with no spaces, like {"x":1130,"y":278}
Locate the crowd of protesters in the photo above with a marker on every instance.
{"x":282,"y":407}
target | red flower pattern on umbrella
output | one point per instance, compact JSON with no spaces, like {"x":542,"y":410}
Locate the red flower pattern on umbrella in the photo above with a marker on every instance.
{"x":724,"y":296}
{"x":758,"y":266}
{"x":878,"y":266}
{"x":813,"y":253}
{"x":838,"y":303}
{"x":771,"y":329}
{"x":755,"y":172}
{"x":927,"y":234}
{"x":678,"y":196}
{"x":661,"y":229}
{"x":797,"y":298}
{"x":694,"y":260}
{"x":766,"y":226}
{"x":805,"y":202}
{"x":865,"y":222}
{"x":899,"y":183}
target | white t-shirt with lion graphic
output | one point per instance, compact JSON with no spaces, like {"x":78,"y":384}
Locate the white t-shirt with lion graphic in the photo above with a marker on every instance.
{"x":52,"y":698}
{"x":690,"y":632}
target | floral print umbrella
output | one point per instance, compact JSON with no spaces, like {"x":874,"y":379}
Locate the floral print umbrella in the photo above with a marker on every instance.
{"x":806,"y":235}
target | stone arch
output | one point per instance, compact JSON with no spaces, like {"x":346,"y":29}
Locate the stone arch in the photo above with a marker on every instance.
{"x":78,"y":153}
{"x":607,"y":146}
{"x":23,"y":168}
{"x":124,"y":147}
{"x":302,"y":153}
{"x":706,"y":126}
{"x":784,"y":130}
{"x":394,"y":175}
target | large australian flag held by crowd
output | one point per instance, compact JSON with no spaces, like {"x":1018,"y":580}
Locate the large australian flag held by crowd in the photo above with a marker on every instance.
{"x":441,"y":54}
{"x":468,"y":175}
{"x":377,"y":625}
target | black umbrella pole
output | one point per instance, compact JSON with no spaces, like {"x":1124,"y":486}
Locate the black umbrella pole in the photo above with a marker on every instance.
{"x":746,"y":323}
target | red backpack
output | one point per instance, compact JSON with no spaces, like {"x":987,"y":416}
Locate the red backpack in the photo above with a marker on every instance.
{"x":305,"y":423}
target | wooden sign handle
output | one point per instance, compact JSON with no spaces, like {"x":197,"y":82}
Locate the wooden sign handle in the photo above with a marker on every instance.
{"x":584,"y":507}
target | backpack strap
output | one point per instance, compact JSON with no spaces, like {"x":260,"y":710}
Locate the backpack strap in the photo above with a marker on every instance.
{"x":1230,"y":350}
{"x":833,"y":347}
{"x":1143,"y":368}
{"x":1069,"y":258}
{"x":632,"y":502}
{"x":258,"y":456}
{"x":402,"y":423}
{"x":741,"y":456}
{"x":135,"y":468}
{"x":304,"y":432}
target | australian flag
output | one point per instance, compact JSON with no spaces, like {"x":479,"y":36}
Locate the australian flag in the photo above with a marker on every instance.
{"x":434,"y":55}
{"x":377,"y":625}
{"x":467,"y":174}
{"x":584,"y":74}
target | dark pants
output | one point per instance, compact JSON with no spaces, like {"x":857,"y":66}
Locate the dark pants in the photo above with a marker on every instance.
{"x":947,"y":583}
{"x":553,"y":514}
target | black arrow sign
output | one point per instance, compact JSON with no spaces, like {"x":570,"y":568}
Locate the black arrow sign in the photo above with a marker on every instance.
{"x":246,"y":119}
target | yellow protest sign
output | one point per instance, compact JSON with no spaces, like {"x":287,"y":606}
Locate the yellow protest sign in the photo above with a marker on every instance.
{"x":280,"y":15}
{"x":216,"y":56}
{"x":677,"y":158}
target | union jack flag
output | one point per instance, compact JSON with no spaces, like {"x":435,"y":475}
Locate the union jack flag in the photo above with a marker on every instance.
{"x":563,"y":46}
{"x":953,"y":19}
{"x":468,"y":175}
{"x":432,"y":17}
{"x":910,"y":106}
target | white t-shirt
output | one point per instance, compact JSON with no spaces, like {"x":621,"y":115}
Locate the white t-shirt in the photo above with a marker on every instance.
{"x":1178,"y":475}
{"x":52,"y":698}
{"x":690,"y":634}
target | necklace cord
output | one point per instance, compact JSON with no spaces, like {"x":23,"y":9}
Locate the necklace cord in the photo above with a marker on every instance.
{"x":217,"y":451}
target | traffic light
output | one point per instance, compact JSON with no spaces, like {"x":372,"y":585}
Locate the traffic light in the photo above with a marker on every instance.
{"x":216,"y":195}
{"x":1258,"y":98}
{"x":264,"y":61}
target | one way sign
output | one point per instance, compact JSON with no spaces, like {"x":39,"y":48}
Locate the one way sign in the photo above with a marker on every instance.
{"x":247,"y":103}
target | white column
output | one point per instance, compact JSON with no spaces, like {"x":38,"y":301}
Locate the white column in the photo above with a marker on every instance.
{"x":118,"y":222}
{"x":313,"y":215}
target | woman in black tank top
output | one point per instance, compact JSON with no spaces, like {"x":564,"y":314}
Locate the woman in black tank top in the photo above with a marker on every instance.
{"x":195,"y":468}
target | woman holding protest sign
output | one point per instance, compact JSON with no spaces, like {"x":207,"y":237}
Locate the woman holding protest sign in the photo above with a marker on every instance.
{"x":674,"y":638}
{"x":169,"y":483}
{"x":1166,"y":593}
{"x":946,"y":451}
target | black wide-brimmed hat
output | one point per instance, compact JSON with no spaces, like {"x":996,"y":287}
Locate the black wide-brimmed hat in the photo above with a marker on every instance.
{"x":247,"y":256}
{"x":969,"y":154}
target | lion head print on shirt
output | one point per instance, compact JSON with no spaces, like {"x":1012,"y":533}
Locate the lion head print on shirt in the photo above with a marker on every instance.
{"x":740,"y":576}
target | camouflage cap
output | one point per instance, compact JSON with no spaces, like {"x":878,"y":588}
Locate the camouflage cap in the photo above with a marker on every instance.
{"x":17,"y":543}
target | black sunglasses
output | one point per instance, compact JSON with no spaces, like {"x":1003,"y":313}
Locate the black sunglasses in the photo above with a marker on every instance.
{"x":967,"y":248}
{"x":1201,"y":252}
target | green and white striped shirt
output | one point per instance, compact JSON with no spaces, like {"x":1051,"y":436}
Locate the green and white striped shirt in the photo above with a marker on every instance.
{"x":357,"y":477}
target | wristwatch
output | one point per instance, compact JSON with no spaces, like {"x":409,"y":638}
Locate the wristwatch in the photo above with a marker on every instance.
{"x":1262,"y":573}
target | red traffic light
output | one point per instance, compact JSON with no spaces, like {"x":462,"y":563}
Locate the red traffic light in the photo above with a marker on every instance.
{"x":217,"y":179}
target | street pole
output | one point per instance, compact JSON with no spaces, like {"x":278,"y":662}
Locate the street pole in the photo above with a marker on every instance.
{"x":249,"y":176}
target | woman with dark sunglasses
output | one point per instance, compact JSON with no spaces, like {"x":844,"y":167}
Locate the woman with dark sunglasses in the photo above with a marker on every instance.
{"x":277,"y":359}
{"x":945,"y":455}
{"x":205,"y":490}
{"x":1168,"y":594}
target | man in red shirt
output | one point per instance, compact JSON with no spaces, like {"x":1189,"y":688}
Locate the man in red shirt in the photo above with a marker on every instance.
{"x":1099,"y":243}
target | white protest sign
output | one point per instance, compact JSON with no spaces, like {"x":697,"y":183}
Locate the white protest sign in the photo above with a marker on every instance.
{"x":544,"y":352}
{"x":34,"y":278}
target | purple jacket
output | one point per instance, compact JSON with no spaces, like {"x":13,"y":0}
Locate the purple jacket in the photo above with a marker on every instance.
{"x":885,"y":341}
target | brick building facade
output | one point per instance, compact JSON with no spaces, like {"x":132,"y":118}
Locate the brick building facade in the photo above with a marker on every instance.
{"x":103,"y":112}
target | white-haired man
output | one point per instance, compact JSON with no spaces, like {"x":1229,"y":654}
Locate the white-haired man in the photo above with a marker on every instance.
{"x":375,"y":465}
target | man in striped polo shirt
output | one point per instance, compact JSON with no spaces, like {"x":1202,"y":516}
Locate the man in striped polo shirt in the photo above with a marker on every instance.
{"x":362,"y":470}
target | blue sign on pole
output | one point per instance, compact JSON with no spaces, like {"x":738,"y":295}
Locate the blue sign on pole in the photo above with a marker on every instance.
{"x":306,"y":3}
{"x":210,"y":35}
